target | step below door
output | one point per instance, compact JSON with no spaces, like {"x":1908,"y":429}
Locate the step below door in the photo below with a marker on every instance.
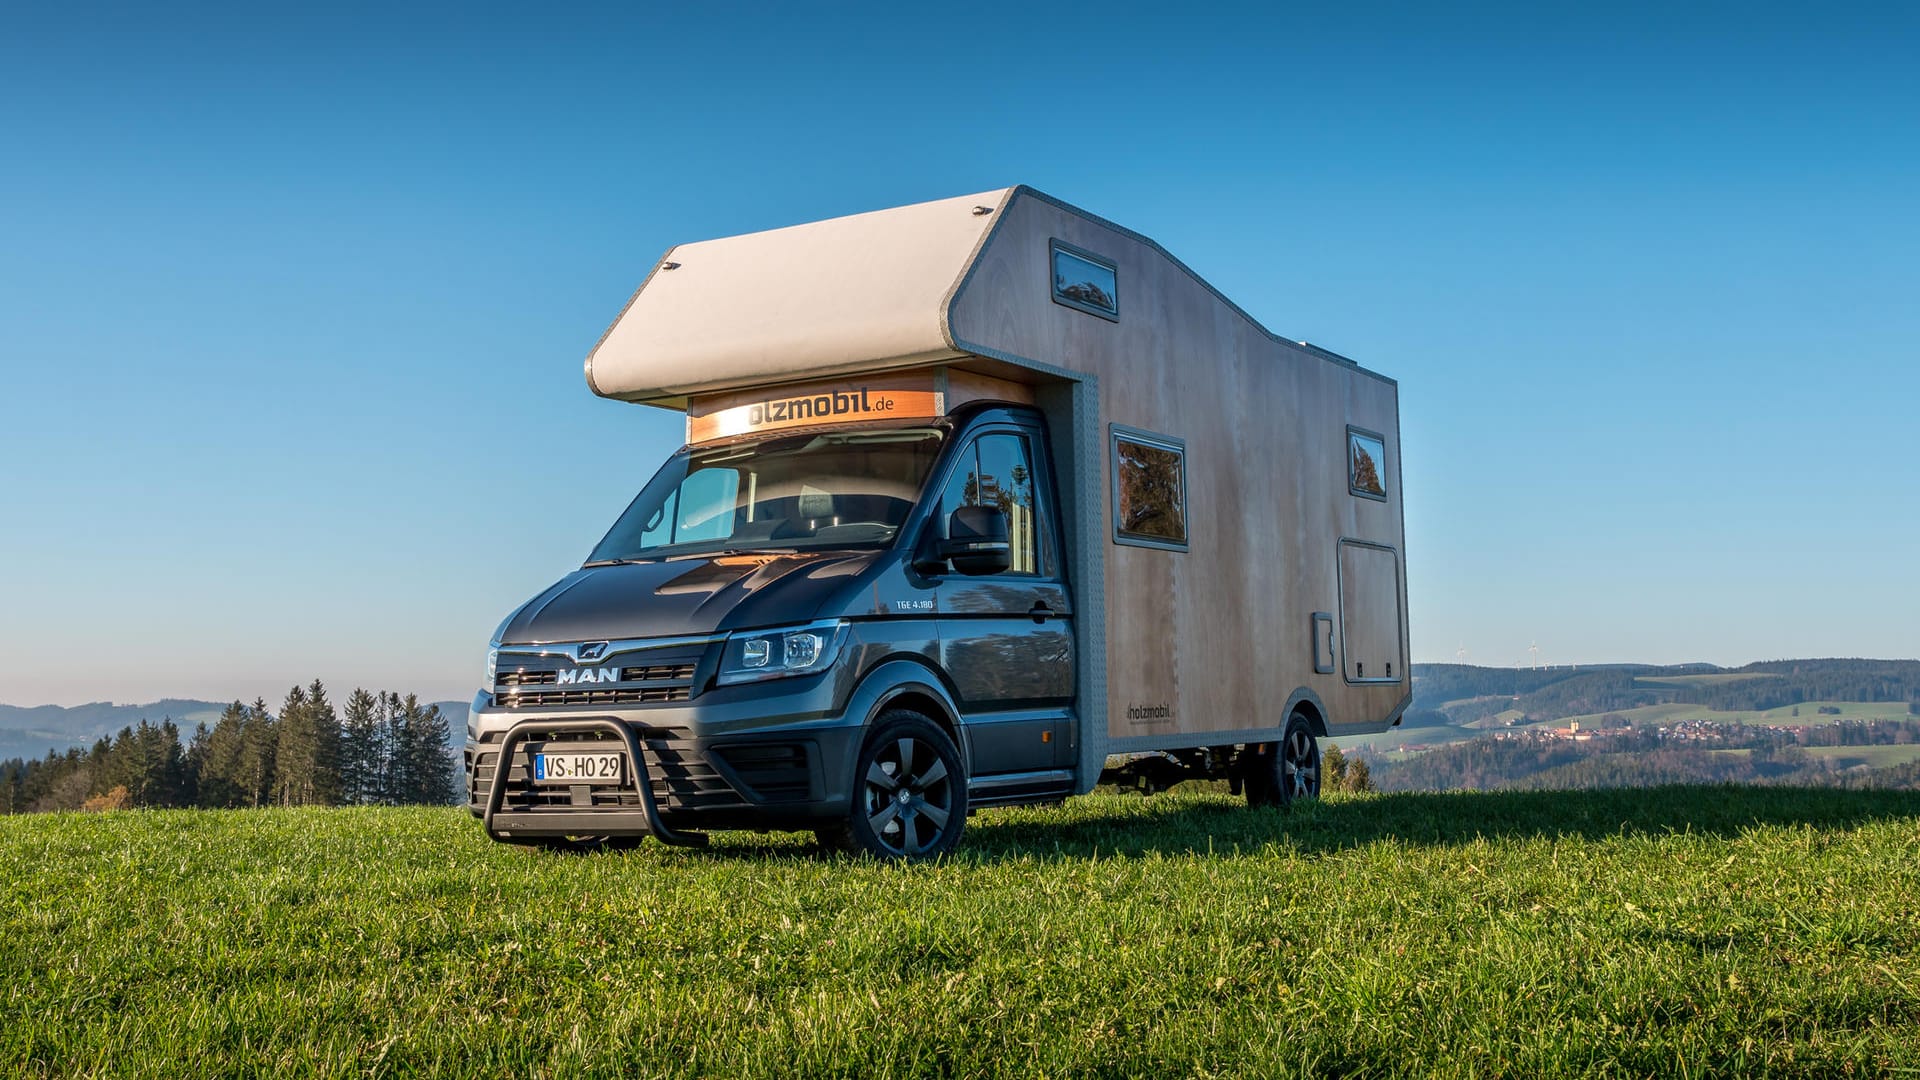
{"x":1370,"y":616}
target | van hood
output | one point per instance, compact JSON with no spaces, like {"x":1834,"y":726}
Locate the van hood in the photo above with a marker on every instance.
{"x":688,"y":596}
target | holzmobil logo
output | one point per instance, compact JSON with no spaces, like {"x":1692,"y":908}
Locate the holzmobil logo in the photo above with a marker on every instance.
{"x":844,"y":403}
{"x":808,"y":407}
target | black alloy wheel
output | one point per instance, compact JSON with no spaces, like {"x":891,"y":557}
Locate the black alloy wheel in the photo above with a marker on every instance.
{"x":910,"y":799}
{"x":1286,"y":772}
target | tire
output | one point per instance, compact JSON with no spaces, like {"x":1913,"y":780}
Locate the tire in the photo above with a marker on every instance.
{"x":1286,"y":772}
{"x":910,"y":792}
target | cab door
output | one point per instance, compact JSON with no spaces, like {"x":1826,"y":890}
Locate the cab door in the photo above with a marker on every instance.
{"x":1006,"y":640}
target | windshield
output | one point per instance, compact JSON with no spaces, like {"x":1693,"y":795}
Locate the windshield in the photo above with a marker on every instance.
{"x":849,"y":489}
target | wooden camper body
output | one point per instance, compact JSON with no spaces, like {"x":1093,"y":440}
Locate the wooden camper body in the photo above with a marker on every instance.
{"x":1292,"y":585}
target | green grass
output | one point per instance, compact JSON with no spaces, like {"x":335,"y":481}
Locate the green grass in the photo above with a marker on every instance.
{"x":1810,"y":715}
{"x":1671,"y":932}
{"x":1394,"y":738}
{"x":1879,"y":757}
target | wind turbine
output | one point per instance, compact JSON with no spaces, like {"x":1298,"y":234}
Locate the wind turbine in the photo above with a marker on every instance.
{"x":1533,"y":653}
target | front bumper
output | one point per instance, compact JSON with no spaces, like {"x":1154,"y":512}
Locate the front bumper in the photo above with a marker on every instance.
{"x":771,"y":756}
{"x":506,"y":824}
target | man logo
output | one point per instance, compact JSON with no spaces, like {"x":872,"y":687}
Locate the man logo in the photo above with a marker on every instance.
{"x":587,"y":675}
{"x":592,"y":650}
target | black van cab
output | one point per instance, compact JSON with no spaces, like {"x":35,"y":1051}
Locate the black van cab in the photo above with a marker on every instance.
{"x":865,"y":631}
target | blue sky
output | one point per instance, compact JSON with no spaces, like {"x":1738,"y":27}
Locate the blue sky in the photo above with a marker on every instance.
{"x":292,"y":306}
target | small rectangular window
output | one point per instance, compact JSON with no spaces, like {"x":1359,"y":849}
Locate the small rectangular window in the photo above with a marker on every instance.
{"x":1085,"y":281}
{"x":1366,"y":463}
{"x":1149,"y":489}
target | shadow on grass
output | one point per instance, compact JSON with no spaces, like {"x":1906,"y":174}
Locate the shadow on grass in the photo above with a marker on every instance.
{"x":1179,"y":824}
{"x":1174,"y":825}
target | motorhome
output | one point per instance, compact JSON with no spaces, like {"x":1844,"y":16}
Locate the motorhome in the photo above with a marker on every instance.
{"x":983,"y":501}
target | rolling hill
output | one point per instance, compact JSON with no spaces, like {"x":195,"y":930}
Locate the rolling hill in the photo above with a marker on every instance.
{"x":30,"y":732}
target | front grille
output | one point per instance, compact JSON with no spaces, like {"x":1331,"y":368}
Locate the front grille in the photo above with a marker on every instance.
{"x":627,"y":695}
{"x":538,"y":683}
{"x":657,"y":673}
{"x":681,"y":779}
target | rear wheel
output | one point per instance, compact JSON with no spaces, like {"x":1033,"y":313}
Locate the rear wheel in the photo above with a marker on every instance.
{"x":910,"y":796}
{"x":1286,"y":772}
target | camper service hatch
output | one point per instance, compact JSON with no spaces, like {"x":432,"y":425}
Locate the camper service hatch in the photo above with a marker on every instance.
{"x":982,"y":501}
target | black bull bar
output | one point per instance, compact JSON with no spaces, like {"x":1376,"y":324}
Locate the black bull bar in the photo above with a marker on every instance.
{"x":570,"y":822}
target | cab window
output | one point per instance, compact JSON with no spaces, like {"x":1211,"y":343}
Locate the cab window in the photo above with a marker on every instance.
{"x":997,"y":470}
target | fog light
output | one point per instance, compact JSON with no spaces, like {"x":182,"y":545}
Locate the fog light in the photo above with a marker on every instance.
{"x":754,"y":653}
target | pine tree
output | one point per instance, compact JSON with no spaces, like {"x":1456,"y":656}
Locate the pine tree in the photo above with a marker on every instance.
{"x":1333,"y":769}
{"x":306,"y":769}
{"x":325,"y":781}
{"x":362,"y":760}
{"x":293,"y":750}
{"x":434,"y":769}
{"x":218,"y":780}
{"x":193,"y":766}
{"x":119,"y":766}
{"x":396,"y":775}
{"x":175,"y":787}
{"x":1359,"y":775}
{"x":258,"y":748}
{"x":142,"y":762}
{"x":410,"y":780}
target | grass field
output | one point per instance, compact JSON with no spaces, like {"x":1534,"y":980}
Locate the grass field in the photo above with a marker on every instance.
{"x":1878,"y":757}
{"x":1394,"y":738}
{"x":1672,"y":932}
{"x":1810,"y":715}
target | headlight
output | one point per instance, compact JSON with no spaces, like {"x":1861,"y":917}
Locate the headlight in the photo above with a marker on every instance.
{"x":788,"y":650}
{"x":493,"y":666}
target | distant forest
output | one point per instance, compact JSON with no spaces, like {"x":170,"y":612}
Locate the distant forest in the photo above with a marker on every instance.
{"x":1728,"y":754}
{"x":1468,"y":694}
{"x":383,"y":750}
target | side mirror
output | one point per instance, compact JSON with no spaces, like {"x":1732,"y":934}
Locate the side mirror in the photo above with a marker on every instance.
{"x":977,"y":541}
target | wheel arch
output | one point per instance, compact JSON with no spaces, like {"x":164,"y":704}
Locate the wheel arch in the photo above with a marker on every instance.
{"x":902,"y":683}
{"x":1308,"y":703}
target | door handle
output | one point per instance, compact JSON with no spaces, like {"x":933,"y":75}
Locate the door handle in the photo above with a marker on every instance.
{"x":1040,"y":612}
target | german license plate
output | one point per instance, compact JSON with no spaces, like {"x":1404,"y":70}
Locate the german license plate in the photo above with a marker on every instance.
{"x":577,"y":768}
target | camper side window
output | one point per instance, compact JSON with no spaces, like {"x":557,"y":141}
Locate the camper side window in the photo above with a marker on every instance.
{"x":1366,"y":463}
{"x":1149,"y":489}
{"x":1085,"y":281}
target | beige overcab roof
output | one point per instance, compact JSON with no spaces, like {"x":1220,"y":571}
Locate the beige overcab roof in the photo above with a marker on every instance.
{"x":854,"y":293}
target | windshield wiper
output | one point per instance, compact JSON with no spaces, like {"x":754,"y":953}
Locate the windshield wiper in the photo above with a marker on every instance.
{"x":710,"y":553}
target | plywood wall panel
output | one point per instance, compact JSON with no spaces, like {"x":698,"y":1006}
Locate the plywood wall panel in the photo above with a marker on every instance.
{"x":1218,"y":634}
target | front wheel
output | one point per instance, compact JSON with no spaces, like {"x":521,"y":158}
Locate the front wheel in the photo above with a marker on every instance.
{"x":910,"y":797}
{"x":1286,"y":772}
